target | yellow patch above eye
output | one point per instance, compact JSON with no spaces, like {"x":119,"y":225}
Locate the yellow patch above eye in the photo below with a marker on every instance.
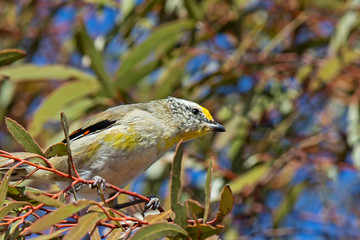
{"x":207,"y":113}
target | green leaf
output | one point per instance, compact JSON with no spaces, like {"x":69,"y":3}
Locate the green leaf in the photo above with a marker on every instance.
{"x":7,"y":91}
{"x":345,"y":25}
{"x":288,"y":203}
{"x":143,"y":50}
{"x":9,"y":56}
{"x":170,"y":78}
{"x":53,"y":235}
{"x":284,"y":33}
{"x":19,"y":193}
{"x":353,"y":131}
{"x":115,"y":234}
{"x":22,"y":137}
{"x":203,"y":231}
{"x":250,"y":177}
{"x":138,"y":73}
{"x":15,"y":230}
{"x":80,"y":108}
{"x":87,"y":47}
{"x":194,"y":9}
{"x":158,"y":231}
{"x":179,"y":210}
{"x":160,"y":217}
{"x":226,"y":203}
{"x":11,"y":206}
{"x":194,"y":208}
{"x":30,"y":72}
{"x":58,"y":149}
{"x":208,"y":189}
{"x":47,"y":201}
{"x":4,"y":185}
{"x":56,"y":101}
{"x":56,"y":216}
{"x":85,"y":225}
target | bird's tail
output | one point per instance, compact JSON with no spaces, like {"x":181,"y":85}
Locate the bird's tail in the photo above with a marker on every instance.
{"x":17,"y":174}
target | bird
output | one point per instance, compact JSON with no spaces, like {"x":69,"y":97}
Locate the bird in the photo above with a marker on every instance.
{"x":122,"y":142}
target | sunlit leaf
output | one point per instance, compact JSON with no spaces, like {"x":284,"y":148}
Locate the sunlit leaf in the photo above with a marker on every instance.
{"x":22,"y":136}
{"x":249,"y":177}
{"x":56,"y":216}
{"x":141,"y":51}
{"x":169,"y":79}
{"x":226,"y":203}
{"x":87,"y":47}
{"x":47,"y":201}
{"x":58,"y":149}
{"x":85,"y":225}
{"x":53,"y":235}
{"x":160,"y":217}
{"x":158,"y":231}
{"x":346,"y":24}
{"x":30,"y":72}
{"x":54,"y":103}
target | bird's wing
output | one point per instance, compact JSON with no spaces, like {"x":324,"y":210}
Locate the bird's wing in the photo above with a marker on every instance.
{"x":103,"y":120}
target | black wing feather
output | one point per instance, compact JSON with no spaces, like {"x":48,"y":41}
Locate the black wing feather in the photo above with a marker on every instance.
{"x":91,"y":129}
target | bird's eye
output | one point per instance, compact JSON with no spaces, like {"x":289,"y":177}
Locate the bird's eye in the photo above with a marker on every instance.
{"x":195,"y":111}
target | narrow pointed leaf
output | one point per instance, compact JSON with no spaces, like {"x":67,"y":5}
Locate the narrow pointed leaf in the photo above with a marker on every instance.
{"x":195,"y":209}
{"x":86,"y":46}
{"x":160,"y":217}
{"x":142,"y":51}
{"x":58,"y":99}
{"x":56,"y":216}
{"x":179,"y":210}
{"x":203,"y":231}
{"x":9,"y":56}
{"x":226,"y":203}
{"x":47,"y":201}
{"x":11,"y":206}
{"x":58,"y":149}
{"x":85,"y":225}
{"x":208,"y":190}
{"x":31,"y":72}
{"x":22,"y":136}
{"x":53,"y":235}
{"x":288,"y":203}
{"x":4,"y":186}
{"x":159,"y":231}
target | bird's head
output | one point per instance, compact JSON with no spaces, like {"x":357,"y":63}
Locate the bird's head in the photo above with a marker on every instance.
{"x":193,"y":120}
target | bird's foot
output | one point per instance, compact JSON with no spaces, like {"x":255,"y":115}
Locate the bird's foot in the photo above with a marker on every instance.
{"x":99,"y":183}
{"x":153,"y":204}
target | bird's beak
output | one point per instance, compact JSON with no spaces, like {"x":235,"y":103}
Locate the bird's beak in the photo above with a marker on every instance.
{"x":216,"y":127}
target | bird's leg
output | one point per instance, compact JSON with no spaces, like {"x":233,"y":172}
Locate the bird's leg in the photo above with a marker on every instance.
{"x":99,"y":183}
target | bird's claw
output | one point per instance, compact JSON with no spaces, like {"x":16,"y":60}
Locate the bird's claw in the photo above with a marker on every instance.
{"x":153,"y":204}
{"x":99,"y":183}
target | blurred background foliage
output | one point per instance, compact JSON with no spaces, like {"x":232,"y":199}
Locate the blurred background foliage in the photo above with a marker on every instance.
{"x":282,"y":76}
